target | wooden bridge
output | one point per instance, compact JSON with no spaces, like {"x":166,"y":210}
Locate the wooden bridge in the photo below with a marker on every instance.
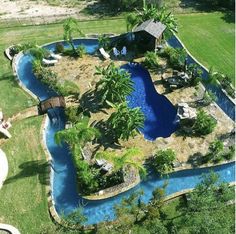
{"x":51,"y":103}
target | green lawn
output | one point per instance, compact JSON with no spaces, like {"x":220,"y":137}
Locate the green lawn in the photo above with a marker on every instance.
{"x":23,"y":198}
{"x":210,"y":39}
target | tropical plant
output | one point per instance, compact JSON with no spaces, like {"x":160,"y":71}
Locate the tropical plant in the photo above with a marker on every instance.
{"x":163,"y":161}
{"x":126,"y":158}
{"x":216,"y":149}
{"x":212,"y":79}
{"x":151,"y":60}
{"x":70,"y":27}
{"x":59,"y":47}
{"x":72,"y":114}
{"x":125,"y":122}
{"x":204,"y":123}
{"x":195,"y":73}
{"x":114,"y":85}
{"x":80,"y":51}
{"x":104,"y":41}
{"x":176,"y":57}
{"x":38,"y":52}
{"x":148,"y":12}
{"x":78,"y":135}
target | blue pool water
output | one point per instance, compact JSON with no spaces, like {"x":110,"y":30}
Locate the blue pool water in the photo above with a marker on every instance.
{"x":160,"y":114}
{"x":63,"y":180}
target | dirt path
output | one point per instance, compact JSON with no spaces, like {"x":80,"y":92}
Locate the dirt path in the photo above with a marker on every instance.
{"x":27,"y":9}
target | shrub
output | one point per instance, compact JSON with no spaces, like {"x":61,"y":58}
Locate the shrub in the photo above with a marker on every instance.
{"x":176,"y":57}
{"x":72,"y":114}
{"x":80,"y":51}
{"x":204,"y":124}
{"x":228,"y":155}
{"x":104,"y":41}
{"x":59,"y":48}
{"x":163,"y":161}
{"x":216,"y":149}
{"x":151,"y":60}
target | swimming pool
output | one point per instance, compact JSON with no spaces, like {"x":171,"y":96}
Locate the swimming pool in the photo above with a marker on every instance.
{"x":160,"y":114}
{"x":63,"y":177}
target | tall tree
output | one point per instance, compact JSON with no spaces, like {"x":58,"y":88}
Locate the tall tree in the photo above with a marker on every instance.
{"x":151,"y":12}
{"x":206,"y":210}
{"x":70,"y":27}
{"x":77,"y":136}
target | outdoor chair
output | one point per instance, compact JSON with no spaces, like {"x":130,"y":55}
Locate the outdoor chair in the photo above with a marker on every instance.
{"x":104,"y":53}
{"x":116,"y":52}
{"x":49,"y":62}
{"x":55,"y":56}
{"x":124,"y":51}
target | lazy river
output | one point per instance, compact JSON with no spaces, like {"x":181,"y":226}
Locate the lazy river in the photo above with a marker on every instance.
{"x":63,"y":177}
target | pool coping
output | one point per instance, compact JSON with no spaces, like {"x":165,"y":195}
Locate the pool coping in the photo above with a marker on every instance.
{"x":48,"y":187}
{"x":224,"y":91}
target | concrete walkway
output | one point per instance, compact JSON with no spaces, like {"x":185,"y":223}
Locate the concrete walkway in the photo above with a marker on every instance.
{"x":3,"y":167}
{"x":9,"y":228}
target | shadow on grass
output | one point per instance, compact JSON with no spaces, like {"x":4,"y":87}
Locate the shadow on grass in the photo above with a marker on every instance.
{"x":10,"y":78}
{"x":37,"y":168}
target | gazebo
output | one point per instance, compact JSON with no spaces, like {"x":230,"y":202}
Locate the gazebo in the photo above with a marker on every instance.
{"x":149,"y":34}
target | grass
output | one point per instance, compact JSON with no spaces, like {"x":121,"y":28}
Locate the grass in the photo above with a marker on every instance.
{"x":23,"y":198}
{"x":210,"y":39}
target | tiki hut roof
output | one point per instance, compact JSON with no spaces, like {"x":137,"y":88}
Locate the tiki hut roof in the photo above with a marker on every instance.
{"x":152,"y":27}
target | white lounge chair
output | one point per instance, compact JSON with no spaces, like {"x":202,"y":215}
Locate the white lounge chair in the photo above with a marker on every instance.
{"x":100,"y":162}
{"x":49,"y":62}
{"x":55,"y":56}
{"x":104,"y":53}
{"x":107,"y":167}
{"x":116,"y":52}
{"x":124,"y":50}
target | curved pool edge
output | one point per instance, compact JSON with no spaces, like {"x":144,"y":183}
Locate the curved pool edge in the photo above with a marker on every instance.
{"x":233,"y":101}
{"x":15,"y":63}
{"x":51,"y":203}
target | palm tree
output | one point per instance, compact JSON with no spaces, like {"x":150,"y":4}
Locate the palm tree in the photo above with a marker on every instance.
{"x":125,"y":122}
{"x":71,"y":26}
{"x":77,"y":136}
{"x":126,"y":158}
{"x":150,"y":12}
{"x":114,"y":85}
{"x":38,"y":52}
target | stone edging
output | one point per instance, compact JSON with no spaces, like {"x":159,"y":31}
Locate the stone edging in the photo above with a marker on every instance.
{"x":15,"y":62}
{"x":230,"y":98}
{"x":125,"y":186}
